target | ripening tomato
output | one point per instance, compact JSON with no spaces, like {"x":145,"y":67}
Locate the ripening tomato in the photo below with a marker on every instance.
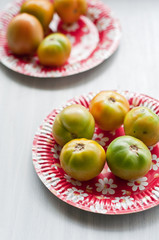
{"x":82,"y":159}
{"x":43,"y":10}
{"x":128,"y":158}
{"x":70,"y":10}
{"x":54,"y":50}
{"x":109,"y":109}
{"x":142,"y":123}
{"x":24,"y":34}
{"x":72,"y":122}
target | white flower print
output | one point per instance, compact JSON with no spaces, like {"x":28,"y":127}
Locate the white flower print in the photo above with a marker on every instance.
{"x":71,"y":38}
{"x":98,"y":207}
{"x":70,"y":27}
{"x":150,"y":148}
{"x":71,"y":180}
{"x":103,"y":23}
{"x":125,"y":192}
{"x":75,"y":195}
{"x":89,"y":189}
{"x":139,"y":183}
{"x":123,"y":202}
{"x":156,"y":175}
{"x":155,"y":162}
{"x":56,"y":151}
{"x":100,"y":139}
{"x":93,"y":13}
{"x":113,"y":133}
{"x":105,"y":186}
{"x":102,"y":197}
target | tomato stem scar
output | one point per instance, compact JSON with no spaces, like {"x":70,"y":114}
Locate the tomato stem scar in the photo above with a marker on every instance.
{"x":79,"y":147}
{"x":134,"y":148}
{"x":111,"y":99}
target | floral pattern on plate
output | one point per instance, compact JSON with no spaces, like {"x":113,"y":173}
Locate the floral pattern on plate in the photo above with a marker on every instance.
{"x":106,"y":193}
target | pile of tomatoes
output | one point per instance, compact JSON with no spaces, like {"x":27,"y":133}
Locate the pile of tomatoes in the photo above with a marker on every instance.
{"x":26,"y":31}
{"x":128,"y":157}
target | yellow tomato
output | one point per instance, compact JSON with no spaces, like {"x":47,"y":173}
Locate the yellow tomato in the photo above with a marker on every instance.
{"x":54,"y":50}
{"x":109,"y":109}
{"x":82,"y":159}
{"x":41,"y":9}
{"x":70,"y":10}
{"x":143,"y":124}
{"x":24,"y":34}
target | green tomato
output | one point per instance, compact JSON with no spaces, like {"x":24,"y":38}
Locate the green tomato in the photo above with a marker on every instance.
{"x":128,"y":158}
{"x":82,"y":159}
{"x":74,"y":121}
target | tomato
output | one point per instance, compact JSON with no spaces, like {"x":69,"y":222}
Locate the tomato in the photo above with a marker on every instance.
{"x":143,"y":124}
{"x":70,"y":10}
{"x":72,"y":122}
{"x":82,"y":159}
{"x":128,"y":158}
{"x":24,"y":34}
{"x":54,"y":50}
{"x":109,"y":109}
{"x":41,"y":9}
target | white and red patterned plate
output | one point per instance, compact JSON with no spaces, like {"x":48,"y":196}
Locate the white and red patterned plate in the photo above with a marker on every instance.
{"x":94,"y":38}
{"x":106,"y":193}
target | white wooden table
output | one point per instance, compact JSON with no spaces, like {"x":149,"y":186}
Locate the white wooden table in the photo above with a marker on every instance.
{"x":28,"y":211}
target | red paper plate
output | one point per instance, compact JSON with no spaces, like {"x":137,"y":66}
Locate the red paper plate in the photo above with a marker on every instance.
{"x":106,"y":193}
{"x":94,"y":38}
